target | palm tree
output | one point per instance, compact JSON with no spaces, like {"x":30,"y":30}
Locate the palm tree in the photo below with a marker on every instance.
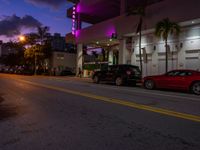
{"x":140,"y":10}
{"x":163,"y":29}
{"x":38,"y":46}
{"x":31,"y":39}
{"x":42,"y":34}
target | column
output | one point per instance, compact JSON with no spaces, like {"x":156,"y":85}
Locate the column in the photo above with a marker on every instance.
{"x":79,"y":62}
{"x":110,"y":57}
{"x":122,"y":52}
{"x":155,"y":60}
{"x":181,"y":59}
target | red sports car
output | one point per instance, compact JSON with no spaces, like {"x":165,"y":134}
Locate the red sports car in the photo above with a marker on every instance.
{"x":188,"y":80}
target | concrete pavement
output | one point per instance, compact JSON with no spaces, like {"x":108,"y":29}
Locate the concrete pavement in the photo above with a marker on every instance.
{"x":53,"y":118}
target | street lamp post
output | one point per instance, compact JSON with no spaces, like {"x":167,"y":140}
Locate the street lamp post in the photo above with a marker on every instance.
{"x":35,"y":69}
{"x":36,"y":58}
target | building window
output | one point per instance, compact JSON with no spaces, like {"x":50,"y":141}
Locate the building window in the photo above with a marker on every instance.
{"x":60,"y":56}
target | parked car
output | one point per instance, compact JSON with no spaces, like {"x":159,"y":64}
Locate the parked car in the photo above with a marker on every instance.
{"x":24,"y":70}
{"x":187,"y":80}
{"x":66,"y":72}
{"x":119,"y":74}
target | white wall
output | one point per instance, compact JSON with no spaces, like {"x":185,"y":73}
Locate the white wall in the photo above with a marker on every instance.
{"x":184,"y":51}
{"x":186,"y":48}
{"x":176,"y":10}
{"x":62,"y":60}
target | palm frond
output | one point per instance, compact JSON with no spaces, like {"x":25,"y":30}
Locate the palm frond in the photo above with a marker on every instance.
{"x":165,"y":27}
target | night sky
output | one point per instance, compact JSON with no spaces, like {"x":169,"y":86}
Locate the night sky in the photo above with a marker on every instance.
{"x":23,"y":16}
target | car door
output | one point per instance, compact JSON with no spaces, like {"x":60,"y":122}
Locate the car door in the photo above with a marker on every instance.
{"x":111,"y":73}
{"x":180,"y":80}
{"x":167,"y":80}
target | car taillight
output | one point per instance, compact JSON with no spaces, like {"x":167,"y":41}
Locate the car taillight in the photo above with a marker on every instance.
{"x":128,"y":72}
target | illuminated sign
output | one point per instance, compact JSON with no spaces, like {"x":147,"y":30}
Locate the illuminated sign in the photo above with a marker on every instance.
{"x":74,"y":20}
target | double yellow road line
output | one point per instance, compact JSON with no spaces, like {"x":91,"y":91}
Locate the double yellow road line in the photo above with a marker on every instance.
{"x":119,"y":102}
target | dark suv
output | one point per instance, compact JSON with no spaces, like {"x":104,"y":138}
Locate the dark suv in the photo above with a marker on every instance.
{"x":119,"y":74}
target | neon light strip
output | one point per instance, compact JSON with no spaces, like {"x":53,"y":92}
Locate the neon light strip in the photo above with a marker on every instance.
{"x":74,"y":21}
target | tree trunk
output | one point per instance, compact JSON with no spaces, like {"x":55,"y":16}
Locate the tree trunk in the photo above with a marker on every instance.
{"x":166,"y":55}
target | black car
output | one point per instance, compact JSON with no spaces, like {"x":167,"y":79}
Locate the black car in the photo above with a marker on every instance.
{"x":119,"y":74}
{"x":67,"y":73}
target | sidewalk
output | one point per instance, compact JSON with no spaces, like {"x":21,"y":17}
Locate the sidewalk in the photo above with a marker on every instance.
{"x":75,"y":78}
{"x":81,"y":79}
{"x":88,"y":80}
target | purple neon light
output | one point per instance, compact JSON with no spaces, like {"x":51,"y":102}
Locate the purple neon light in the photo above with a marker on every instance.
{"x":74,"y":20}
{"x":78,"y":8}
{"x":77,"y":34}
{"x":110,"y":30}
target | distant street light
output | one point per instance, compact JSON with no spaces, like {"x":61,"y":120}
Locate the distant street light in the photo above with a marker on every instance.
{"x":22,"y":38}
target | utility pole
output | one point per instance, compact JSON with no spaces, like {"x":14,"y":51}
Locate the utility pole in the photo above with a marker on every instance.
{"x":140,"y":51}
{"x":35,"y":70}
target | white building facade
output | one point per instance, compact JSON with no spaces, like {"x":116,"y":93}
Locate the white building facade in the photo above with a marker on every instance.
{"x":184,"y":50}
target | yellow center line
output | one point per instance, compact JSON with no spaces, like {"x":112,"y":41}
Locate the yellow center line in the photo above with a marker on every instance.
{"x":120,"y":102}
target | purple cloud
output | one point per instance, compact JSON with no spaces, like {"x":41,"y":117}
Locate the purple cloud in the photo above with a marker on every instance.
{"x":12,"y":25}
{"x":55,"y":4}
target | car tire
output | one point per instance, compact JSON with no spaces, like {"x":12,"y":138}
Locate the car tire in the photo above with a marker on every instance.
{"x":195,"y":88}
{"x":118,"y":81}
{"x":96,"y":79}
{"x":149,"y":84}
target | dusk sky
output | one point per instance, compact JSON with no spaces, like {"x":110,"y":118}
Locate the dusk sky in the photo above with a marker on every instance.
{"x":22,"y":16}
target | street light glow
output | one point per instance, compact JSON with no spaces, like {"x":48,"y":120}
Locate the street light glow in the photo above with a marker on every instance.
{"x":22,"y":38}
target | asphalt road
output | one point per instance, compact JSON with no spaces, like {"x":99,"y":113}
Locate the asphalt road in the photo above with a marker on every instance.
{"x":46,"y":113}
